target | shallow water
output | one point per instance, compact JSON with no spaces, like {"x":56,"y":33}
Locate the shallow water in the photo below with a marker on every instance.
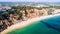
{"x":46,"y":26}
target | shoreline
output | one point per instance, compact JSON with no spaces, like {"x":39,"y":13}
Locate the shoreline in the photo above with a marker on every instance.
{"x":26,"y":23}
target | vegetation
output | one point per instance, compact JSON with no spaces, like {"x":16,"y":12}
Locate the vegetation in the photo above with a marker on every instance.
{"x":50,"y":12}
{"x":16,"y":10}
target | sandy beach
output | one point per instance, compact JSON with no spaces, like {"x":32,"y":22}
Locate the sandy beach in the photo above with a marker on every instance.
{"x":26,"y":23}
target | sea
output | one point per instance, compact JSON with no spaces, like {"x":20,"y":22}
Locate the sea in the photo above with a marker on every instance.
{"x":46,"y":26}
{"x":29,"y":3}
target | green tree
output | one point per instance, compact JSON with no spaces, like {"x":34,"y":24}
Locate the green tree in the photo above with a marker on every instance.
{"x":50,"y":12}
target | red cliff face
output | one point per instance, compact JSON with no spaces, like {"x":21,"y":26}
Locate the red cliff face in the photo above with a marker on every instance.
{"x":23,"y":15}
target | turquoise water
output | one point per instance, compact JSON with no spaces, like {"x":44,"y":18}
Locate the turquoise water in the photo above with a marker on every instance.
{"x":46,"y":26}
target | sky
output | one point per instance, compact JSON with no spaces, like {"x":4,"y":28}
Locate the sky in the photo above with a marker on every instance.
{"x":29,"y":0}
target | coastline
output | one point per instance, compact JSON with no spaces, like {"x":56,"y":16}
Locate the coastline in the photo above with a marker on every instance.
{"x":26,"y":23}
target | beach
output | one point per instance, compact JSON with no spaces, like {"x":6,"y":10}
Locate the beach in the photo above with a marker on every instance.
{"x":26,"y":23}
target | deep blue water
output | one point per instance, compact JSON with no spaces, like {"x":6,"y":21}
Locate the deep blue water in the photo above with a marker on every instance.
{"x":52,"y":23}
{"x":46,"y":26}
{"x":30,"y":3}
